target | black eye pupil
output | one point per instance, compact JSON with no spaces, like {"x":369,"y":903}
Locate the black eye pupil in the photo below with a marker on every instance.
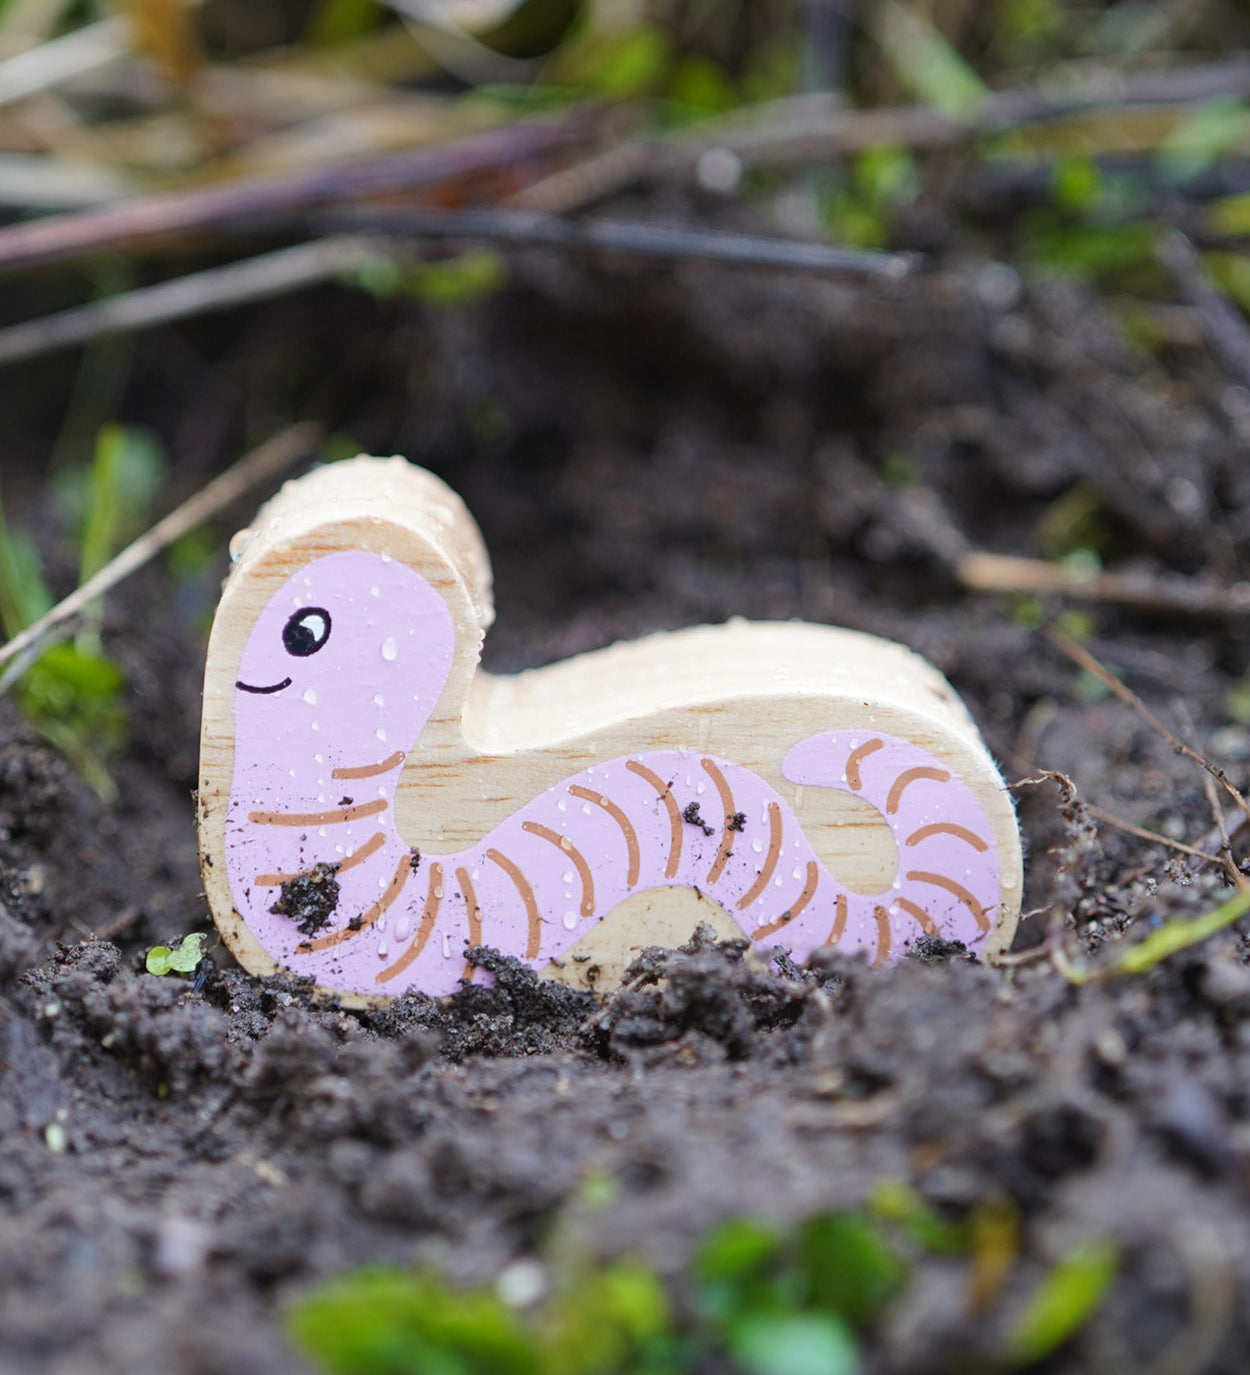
{"x":306,"y":631}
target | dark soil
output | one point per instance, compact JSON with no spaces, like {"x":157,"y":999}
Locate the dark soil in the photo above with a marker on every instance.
{"x":648,"y":449}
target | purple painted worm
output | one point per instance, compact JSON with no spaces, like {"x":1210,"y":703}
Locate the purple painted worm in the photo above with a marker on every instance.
{"x":338,"y":676}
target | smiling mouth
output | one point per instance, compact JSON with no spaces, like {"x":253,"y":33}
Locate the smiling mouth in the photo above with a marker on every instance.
{"x":276,"y":687}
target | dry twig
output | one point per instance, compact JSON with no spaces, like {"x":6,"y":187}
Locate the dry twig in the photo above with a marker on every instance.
{"x":261,"y":465}
{"x":1084,"y":659}
{"x":1174,"y":596}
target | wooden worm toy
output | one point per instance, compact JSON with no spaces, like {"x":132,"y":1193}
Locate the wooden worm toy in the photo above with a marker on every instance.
{"x":372,"y":803}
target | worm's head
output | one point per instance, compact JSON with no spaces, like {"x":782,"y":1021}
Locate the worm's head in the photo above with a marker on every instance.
{"x":354,"y":648}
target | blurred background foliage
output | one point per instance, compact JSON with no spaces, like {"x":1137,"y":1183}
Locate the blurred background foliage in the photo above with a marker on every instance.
{"x":1107,"y":140}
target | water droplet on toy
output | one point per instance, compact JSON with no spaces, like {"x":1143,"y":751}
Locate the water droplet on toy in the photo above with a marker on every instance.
{"x":318,"y":759}
{"x":386,"y":558}
{"x":402,"y":925}
{"x":701,"y":789}
{"x":382,"y":950}
{"x":778,"y":881}
{"x":757,"y":845}
{"x":314,"y":726}
{"x":381,"y":880}
{"x":567,"y":876}
{"x":310,"y":696}
{"x":338,"y":849}
{"x":381,"y":923}
{"x":796,"y":872}
{"x":379,"y":700}
{"x":375,"y":591}
{"x":446,"y":945}
{"x":562,"y":805}
{"x":382,"y":790}
{"x":570,"y":920}
{"x":291,"y":772}
{"x":380,"y":732}
{"x":390,"y":650}
{"x":438,"y":892}
{"x":586,"y":809}
{"x":321,"y":830}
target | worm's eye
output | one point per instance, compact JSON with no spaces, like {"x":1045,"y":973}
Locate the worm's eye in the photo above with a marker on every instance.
{"x":306,"y":631}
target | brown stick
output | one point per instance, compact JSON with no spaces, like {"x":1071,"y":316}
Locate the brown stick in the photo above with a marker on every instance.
{"x":1084,"y":659}
{"x":1172,"y":596}
{"x":145,"y":218}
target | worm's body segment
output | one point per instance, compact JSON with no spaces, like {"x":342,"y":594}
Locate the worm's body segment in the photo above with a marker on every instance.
{"x":340,"y":674}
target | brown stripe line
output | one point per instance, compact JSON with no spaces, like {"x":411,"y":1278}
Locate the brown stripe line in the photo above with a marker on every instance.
{"x":319,"y":818}
{"x":770,"y":859}
{"x":527,"y":897}
{"x":856,"y":758}
{"x":914,"y":909}
{"x":947,"y":828}
{"x":366,"y":918}
{"x":910,"y":776}
{"x":632,"y":855}
{"x":392,"y":761}
{"x":473,"y":914}
{"x":839,"y":922}
{"x":369,"y":848}
{"x":665,"y":794}
{"x":964,"y":896}
{"x":727,"y":811}
{"x":809,"y":888}
{"x":885,"y":937}
{"x":566,"y":847}
{"x":433,"y":896}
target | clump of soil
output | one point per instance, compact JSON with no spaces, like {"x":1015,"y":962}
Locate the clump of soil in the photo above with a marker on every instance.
{"x":310,"y":899}
{"x":176,"y":1162}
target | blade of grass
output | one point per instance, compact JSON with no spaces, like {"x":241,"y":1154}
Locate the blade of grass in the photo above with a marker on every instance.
{"x":1174,"y":936}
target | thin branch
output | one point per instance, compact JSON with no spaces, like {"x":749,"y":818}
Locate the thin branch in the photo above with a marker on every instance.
{"x":148,"y":218}
{"x":197,"y":293}
{"x":1173,"y":596}
{"x":1155,"y":839}
{"x":1224,"y":325}
{"x":261,"y":465}
{"x":523,"y":227}
{"x":1084,"y":659}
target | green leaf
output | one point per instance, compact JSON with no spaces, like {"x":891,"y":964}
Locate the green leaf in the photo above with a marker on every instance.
{"x":1063,"y":1302}
{"x":1174,"y":936}
{"x":1213,"y":131}
{"x":927,"y":64}
{"x":900,"y":1203}
{"x":121,"y":485}
{"x":605,"y":1321}
{"x":382,"y":1321}
{"x":24,"y":595}
{"x":847,"y":1266}
{"x":181,"y":959}
{"x":71,"y":696}
{"x":794,"y":1344}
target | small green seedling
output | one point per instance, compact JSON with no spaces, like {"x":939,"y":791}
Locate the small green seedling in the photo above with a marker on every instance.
{"x":179,"y":959}
{"x":71,"y":693}
{"x":1063,"y":1302}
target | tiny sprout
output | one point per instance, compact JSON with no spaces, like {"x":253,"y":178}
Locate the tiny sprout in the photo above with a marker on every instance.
{"x":180,"y":959}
